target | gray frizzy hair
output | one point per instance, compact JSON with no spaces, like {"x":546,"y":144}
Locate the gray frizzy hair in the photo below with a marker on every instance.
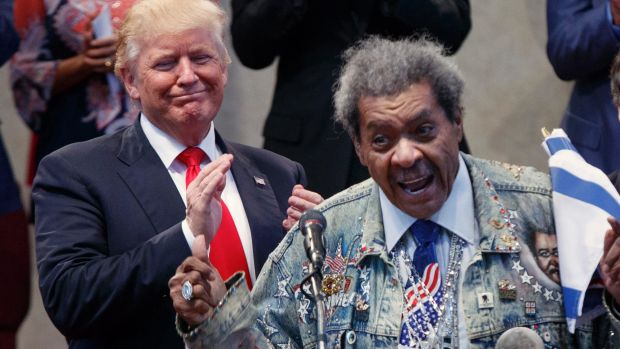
{"x":381,"y":67}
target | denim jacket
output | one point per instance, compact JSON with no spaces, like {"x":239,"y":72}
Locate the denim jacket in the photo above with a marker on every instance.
{"x":364,"y":295}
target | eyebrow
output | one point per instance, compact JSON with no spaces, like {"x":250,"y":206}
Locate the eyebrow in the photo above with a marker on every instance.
{"x":201,"y":47}
{"x":421,"y":115}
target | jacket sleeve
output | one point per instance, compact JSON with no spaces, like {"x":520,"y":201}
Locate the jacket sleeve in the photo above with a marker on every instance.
{"x":447,"y":21}
{"x":580,"y":39}
{"x":33,"y":67}
{"x":232,"y":324}
{"x":87,"y":290}
{"x":259,"y":28}
{"x":264,"y":316}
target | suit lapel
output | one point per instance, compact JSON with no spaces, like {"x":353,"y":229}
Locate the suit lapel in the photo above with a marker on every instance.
{"x":259,"y":202}
{"x":149,"y":181}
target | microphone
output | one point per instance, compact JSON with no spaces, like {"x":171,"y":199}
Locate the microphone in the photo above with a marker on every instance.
{"x":518,"y":338}
{"x":312,"y":224}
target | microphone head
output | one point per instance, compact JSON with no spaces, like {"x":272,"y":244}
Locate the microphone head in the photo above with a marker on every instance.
{"x":312,"y":217}
{"x":519,"y":338}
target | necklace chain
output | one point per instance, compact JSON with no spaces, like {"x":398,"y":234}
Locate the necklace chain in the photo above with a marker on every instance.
{"x":446,"y":327}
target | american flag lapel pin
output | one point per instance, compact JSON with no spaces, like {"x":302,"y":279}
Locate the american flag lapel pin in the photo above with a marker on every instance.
{"x":260,"y":181}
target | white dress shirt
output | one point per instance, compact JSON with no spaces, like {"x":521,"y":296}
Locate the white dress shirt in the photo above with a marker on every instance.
{"x":168,"y":148}
{"x":456,"y":215}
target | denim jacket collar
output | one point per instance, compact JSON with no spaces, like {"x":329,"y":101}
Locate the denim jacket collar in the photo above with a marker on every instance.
{"x":373,"y":236}
{"x":496,"y":229}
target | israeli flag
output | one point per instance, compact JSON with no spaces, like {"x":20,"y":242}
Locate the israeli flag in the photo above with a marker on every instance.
{"x":583,"y":198}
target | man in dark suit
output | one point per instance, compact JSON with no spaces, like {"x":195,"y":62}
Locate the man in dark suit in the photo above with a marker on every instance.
{"x":116,"y":215}
{"x":308,"y":37}
{"x":583,"y":38}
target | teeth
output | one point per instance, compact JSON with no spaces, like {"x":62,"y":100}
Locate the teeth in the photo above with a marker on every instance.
{"x":415,"y":186}
{"x":409,"y":191}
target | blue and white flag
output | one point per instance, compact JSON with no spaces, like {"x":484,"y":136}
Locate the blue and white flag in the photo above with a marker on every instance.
{"x":583,"y":198}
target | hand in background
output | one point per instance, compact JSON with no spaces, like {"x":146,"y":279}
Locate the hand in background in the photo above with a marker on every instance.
{"x":99,"y":54}
{"x":300,"y":200}
{"x":610,"y":263}
{"x":97,"y":57}
{"x":614,"y":5}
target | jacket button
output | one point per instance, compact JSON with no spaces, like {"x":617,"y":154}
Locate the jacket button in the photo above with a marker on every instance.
{"x":351,"y":337}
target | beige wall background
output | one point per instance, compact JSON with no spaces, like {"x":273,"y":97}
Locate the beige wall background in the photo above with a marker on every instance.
{"x":510,"y":93}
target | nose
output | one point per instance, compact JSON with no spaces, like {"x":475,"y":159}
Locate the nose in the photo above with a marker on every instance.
{"x":187,"y":76}
{"x":406,"y":153}
{"x":555,"y":260}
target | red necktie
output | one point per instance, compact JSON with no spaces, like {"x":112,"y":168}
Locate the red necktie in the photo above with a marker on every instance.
{"x":226,"y":252}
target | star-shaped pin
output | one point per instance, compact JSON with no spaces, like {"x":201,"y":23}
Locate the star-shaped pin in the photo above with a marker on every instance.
{"x":304,"y":304}
{"x":537,"y":287}
{"x":548,"y":294}
{"x":365,"y":274}
{"x":282,"y":291}
{"x":525,"y":278}
{"x":516,"y":265}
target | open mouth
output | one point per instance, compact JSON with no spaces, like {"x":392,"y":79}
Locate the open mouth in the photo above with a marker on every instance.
{"x":417,"y":185}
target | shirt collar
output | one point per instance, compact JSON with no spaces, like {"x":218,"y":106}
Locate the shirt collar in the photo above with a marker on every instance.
{"x":168,"y":147}
{"x":456,"y":214}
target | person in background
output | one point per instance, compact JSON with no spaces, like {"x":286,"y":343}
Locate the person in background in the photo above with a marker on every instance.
{"x":62,"y":75}
{"x":117,"y":214}
{"x":614,"y":177}
{"x":308,"y":38}
{"x":425,"y":254}
{"x":14,"y":250}
{"x":614,"y":77}
{"x":583,"y":38}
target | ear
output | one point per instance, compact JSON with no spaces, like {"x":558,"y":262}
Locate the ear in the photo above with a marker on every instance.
{"x":458,"y":123}
{"x":225,"y":73}
{"x":130,"y":83}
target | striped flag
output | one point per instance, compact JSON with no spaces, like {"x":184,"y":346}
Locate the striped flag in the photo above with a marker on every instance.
{"x":583,"y":198}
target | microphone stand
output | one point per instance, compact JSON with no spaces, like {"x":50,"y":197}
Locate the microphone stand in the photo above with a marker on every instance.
{"x":315,"y":279}
{"x":312,"y":224}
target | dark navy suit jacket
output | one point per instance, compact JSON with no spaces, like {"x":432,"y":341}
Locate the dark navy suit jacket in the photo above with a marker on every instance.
{"x":108,"y":234}
{"x":581,"y":47}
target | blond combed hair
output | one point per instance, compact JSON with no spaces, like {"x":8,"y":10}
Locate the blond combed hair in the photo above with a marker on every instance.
{"x":148,"y":19}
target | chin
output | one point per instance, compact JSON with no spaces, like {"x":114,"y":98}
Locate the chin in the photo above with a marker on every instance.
{"x":194,"y":114}
{"x":423,"y":206}
{"x":420,"y":210}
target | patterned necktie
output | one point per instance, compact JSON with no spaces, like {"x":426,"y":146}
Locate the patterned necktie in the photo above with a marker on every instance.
{"x":424,"y":285}
{"x":425,"y":233}
{"x":226,"y":251}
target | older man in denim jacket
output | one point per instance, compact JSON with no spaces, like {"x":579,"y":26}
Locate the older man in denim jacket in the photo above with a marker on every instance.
{"x":491,"y":225}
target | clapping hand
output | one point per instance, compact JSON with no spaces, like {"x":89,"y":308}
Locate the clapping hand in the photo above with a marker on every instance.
{"x":610,"y":263}
{"x":301,"y":199}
